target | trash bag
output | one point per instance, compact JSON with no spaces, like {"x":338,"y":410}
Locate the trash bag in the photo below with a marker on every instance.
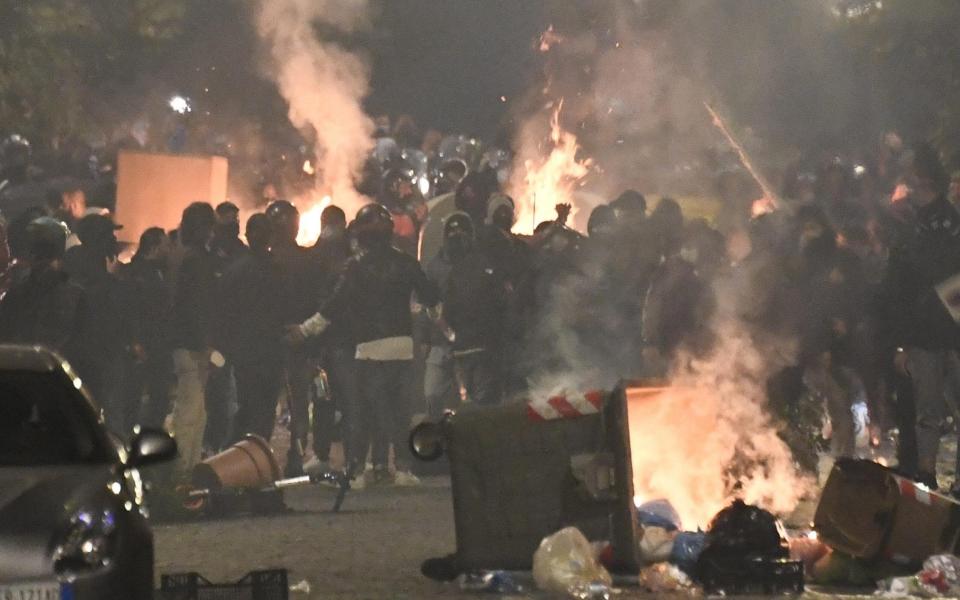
{"x":745,"y":530}
{"x":565,"y":564}
{"x":656,"y":545}
{"x":659,"y":513}
{"x":746,"y":553}
{"x":686,"y":550}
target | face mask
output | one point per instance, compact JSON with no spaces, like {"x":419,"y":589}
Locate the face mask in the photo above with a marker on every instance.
{"x":457,"y":245}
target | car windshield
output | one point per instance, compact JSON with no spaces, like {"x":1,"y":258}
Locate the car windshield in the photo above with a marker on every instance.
{"x":44,"y":421}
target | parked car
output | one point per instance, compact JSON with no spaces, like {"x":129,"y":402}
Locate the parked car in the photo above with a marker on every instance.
{"x":73,"y":524}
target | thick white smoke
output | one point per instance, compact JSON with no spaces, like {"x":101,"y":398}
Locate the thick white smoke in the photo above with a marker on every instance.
{"x":324,"y":85}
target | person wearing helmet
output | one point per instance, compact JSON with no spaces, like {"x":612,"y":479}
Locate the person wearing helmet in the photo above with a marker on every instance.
{"x":45,"y":307}
{"x":298,"y":293}
{"x":475,"y":303}
{"x":374,"y":294}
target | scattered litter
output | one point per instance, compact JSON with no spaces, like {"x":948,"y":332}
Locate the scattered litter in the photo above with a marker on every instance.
{"x":940,"y":578}
{"x":493,"y":582}
{"x":565,"y":564}
{"x":659,"y":513}
{"x":686,"y":550}
{"x":656,"y":545}
{"x":302,"y":587}
{"x":663,"y":578}
{"x":808,"y":549}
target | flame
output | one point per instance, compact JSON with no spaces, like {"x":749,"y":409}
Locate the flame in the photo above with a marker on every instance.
{"x":542,"y":183}
{"x":310,"y":219}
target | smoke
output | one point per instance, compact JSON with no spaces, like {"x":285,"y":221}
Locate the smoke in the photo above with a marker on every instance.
{"x":634,"y":76}
{"x":324,"y":85}
{"x":708,"y":438}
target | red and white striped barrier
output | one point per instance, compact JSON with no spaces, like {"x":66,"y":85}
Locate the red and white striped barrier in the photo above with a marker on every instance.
{"x":566,"y":407}
{"x":920,"y":493}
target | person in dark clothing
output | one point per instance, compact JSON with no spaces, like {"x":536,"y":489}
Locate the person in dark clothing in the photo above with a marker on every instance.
{"x":440,"y":386}
{"x":475,"y":303}
{"x":192,"y":332}
{"x":226,"y":244}
{"x":149,"y":293}
{"x":298,"y":294}
{"x":921,"y":306}
{"x":252,"y":331}
{"x":221,"y":392}
{"x":339,"y":395}
{"x":109,"y":334}
{"x":374,"y":294}
{"x":45,"y":307}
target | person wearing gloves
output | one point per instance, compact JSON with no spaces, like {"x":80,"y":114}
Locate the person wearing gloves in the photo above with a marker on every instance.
{"x":374,"y":295}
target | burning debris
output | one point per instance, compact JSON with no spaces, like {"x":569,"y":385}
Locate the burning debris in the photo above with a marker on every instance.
{"x":546,"y":172}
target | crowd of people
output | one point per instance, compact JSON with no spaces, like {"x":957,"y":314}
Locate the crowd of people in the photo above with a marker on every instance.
{"x":421,"y":304}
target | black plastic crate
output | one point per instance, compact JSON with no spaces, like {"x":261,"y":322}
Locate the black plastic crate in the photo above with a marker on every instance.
{"x":255,"y":585}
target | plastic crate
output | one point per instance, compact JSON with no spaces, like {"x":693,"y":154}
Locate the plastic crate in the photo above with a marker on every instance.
{"x":255,"y":585}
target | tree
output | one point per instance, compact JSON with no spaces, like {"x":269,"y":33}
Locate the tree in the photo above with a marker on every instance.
{"x":60,"y":60}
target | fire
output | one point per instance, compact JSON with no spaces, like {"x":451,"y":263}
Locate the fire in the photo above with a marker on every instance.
{"x":707,"y":439}
{"x":310,"y":221}
{"x":542,"y":183}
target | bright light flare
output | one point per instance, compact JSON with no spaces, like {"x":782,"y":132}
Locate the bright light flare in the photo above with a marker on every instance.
{"x":180,"y":105}
{"x":308,"y":167}
{"x":310,"y":221}
{"x":542,"y":182}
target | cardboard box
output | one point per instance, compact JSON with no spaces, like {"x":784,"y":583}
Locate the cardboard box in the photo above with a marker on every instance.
{"x":868,"y":511}
{"x":153,"y":189}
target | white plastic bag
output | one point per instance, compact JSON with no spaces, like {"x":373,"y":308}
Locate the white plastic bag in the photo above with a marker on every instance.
{"x":656,"y":544}
{"x":564,"y":563}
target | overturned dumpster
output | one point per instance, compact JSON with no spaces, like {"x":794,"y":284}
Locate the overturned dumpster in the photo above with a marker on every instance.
{"x":520,"y":473}
{"x":870,"y":512}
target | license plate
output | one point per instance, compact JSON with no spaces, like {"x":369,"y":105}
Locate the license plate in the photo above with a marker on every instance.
{"x":32,"y":591}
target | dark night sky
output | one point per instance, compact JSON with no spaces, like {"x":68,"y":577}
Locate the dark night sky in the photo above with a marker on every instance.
{"x":447,"y":62}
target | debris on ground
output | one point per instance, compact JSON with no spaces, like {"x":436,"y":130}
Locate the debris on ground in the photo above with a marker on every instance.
{"x":565,"y":564}
{"x":493,"y":582}
{"x":940,"y":578}
{"x":301,"y":587}
{"x":664,"y":578}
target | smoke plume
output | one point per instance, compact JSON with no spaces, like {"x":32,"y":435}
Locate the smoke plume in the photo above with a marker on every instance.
{"x":324,"y":85}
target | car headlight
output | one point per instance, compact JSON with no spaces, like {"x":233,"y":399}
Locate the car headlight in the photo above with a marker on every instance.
{"x":87,"y":542}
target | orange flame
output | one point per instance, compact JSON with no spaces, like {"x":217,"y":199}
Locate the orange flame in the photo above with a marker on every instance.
{"x":310,"y":219}
{"x":542,"y":183}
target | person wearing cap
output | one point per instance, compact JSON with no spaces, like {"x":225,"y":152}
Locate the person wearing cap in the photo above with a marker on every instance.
{"x":109,"y":330}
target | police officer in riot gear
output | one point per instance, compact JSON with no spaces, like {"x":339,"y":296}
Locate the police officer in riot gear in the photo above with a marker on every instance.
{"x":374,"y":293}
